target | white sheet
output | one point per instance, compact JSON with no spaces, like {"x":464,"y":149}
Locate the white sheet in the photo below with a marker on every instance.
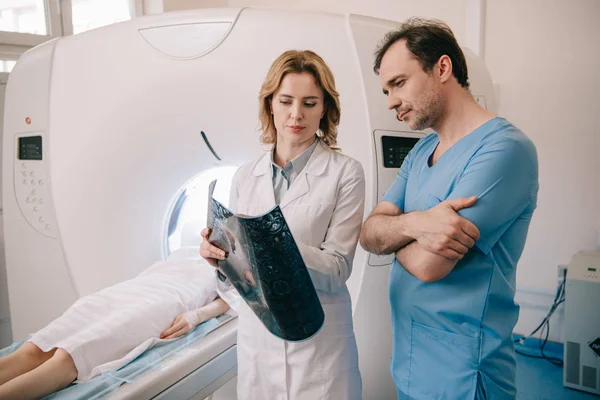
{"x":108,"y":329}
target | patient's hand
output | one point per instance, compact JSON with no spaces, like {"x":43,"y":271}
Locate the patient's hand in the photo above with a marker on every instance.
{"x":182,"y":324}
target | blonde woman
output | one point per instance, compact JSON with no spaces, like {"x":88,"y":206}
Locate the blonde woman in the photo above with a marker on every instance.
{"x":321,"y":194}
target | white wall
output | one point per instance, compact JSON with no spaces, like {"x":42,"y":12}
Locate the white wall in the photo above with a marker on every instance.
{"x":545,"y":57}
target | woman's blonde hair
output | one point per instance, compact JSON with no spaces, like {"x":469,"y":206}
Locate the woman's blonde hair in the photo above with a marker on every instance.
{"x":299,"y":61}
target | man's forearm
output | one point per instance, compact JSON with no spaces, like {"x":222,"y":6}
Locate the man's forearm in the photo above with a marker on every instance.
{"x":424,"y":265}
{"x":386,"y":234}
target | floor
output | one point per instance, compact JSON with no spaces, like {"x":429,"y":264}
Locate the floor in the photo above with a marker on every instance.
{"x":538,"y":379}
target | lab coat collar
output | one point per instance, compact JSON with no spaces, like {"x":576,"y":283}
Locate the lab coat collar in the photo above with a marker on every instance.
{"x":316,"y":164}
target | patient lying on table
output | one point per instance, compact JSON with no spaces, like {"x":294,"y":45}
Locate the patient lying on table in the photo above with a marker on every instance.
{"x":106,"y":330}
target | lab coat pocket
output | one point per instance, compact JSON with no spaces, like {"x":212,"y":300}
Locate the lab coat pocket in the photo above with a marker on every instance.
{"x":338,"y":320}
{"x":337,"y":337}
{"x":443,"y":365}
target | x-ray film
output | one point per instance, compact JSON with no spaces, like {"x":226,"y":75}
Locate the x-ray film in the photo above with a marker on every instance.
{"x":265,"y":266}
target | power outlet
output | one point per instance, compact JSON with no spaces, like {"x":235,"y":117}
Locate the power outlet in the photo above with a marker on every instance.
{"x":561,"y":274}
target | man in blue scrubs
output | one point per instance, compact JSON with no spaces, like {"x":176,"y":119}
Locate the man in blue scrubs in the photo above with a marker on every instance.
{"x":456,"y":218}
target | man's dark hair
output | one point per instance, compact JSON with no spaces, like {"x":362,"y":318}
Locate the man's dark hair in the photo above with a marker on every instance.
{"x":427,"y":40}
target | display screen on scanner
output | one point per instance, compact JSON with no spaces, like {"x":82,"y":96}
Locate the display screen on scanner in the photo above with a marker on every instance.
{"x":30,"y":148}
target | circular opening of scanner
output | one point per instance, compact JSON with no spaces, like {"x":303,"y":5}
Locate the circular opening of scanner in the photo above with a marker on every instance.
{"x":188,"y":215}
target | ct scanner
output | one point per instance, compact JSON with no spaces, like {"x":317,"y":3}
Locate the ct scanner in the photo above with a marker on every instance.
{"x":106,"y":133}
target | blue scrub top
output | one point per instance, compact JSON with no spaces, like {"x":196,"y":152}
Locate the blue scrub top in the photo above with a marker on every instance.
{"x":452,"y":338}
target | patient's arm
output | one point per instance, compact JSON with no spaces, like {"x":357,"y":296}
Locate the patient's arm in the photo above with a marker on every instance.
{"x":212,"y":309}
{"x":186,"y":322}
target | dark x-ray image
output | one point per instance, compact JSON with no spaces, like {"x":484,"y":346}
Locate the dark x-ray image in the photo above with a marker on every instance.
{"x":265,"y":266}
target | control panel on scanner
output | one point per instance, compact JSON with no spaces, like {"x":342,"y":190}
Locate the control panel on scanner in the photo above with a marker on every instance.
{"x":30,"y":184}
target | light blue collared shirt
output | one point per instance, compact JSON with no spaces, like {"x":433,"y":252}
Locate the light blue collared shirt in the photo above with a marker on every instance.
{"x":283,"y":177}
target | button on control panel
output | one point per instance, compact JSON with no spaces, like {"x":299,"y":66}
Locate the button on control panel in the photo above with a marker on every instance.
{"x":32,"y":192}
{"x":592,"y":273}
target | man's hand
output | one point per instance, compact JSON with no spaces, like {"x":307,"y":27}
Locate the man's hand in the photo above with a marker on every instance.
{"x":440,"y":230}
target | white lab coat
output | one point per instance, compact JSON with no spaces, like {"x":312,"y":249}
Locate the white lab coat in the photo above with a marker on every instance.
{"x":324,"y":210}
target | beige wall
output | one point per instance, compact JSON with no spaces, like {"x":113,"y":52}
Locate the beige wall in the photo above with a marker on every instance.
{"x":545,"y":57}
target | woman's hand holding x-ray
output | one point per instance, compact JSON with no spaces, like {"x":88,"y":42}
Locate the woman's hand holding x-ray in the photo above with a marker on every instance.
{"x":209,"y":252}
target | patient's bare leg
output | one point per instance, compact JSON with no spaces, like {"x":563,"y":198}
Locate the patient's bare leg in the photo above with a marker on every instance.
{"x":56,"y":373}
{"x":22,"y":360}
